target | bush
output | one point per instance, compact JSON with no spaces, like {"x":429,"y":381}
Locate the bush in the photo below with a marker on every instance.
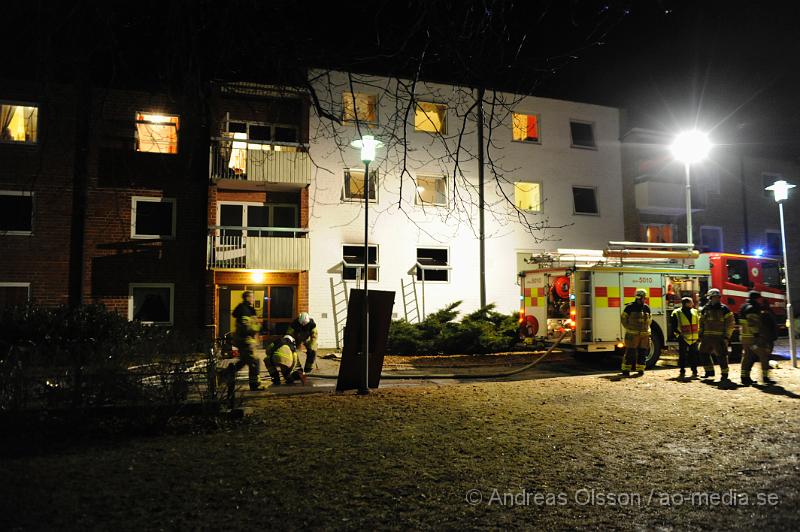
{"x":482,"y":331}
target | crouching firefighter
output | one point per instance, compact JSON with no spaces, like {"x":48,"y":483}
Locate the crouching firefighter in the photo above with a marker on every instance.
{"x":758,"y":336}
{"x":282,"y":359}
{"x":716,"y":327}
{"x":304,"y":331}
{"x":636,"y":320}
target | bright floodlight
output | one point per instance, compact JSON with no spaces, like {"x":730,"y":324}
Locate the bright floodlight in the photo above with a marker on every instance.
{"x":780,"y":189}
{"x":691,"y":146}
{"x":368,"y":145}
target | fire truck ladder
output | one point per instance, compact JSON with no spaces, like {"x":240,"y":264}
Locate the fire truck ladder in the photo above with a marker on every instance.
{"x":410,"y":305}
{"x":584,"y":290}
{"x":339,"y":297}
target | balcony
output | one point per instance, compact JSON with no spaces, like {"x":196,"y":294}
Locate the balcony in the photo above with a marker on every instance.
{"x":280,"y":166}
{"x":260,"y":248}
{"x":668,"y":197}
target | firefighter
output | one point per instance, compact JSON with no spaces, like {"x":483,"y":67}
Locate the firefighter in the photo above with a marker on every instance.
{"x":758,"y":336}
{"x":283,"y":357}
{"x":247,"y":326}
{"x":304,"y":331}
{"x":685,"y":323}
{"x":716,"y":326}
{"x":636,"y":320}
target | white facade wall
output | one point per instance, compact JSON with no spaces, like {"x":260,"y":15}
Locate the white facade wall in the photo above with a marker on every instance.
{"x":398,"y":226}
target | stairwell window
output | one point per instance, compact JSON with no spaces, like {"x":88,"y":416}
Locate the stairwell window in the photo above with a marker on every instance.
{"x":582,"y":134}
{"x":152,"y":217}
{"x":16,"y":212}
{"x":151,"y":303}
{"x":359,"y":107}
{"x":157,"y":133}
{"x":19,"y":123}
{"x":528,"y":196}
{"x":525,"y":128}
{"x":584,"y":200}
{"x":354,"y":185}
{"x":431,"y":190}
{"x":353,"y":258}
{"x":430,"y":117}
{"x":435,"y":264}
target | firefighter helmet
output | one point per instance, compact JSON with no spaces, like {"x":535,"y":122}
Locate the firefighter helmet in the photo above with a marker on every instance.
{"x":641,"y":293}
{"x":304,"y":318}
{"x":714,"y":292}
{"x":288,"y":339}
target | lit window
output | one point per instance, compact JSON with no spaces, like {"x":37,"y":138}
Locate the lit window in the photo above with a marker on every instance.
{"x":582,"y":134}
{"x":528,"y":196}
{"x":657,"y":233}
{"x":431,"y":190}
{"x":19,"y":123}
{"x":359,"y":107}
{"x":16,"y":212}
{"x":353,"y":257}
{"x":431,"y":117}
{"x":585,"y":200}
{"x":156,"y":133}
{"x":152,"y":217}
{"x":525,"y":128}
{"x":354,"y":185}
{"x":435,"y":264}
{"x":151,"y":303}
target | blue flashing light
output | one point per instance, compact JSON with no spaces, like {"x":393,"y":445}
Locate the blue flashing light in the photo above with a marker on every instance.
{"x":759,"y":252}
{"x":572,"y":297}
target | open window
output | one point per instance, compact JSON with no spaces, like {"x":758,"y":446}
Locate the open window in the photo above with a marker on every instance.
{"x":152,"y":217}
{"x":151,"y":303}
{"x":584,"y":200}
{"x":157,"y":133}
{"x":433,"y":264}
{"x":19,"y":123}
{"x":353,"y":258}
{"x":431,"y":190}
{"x":354,"y":185}
{"x":582,"y":134}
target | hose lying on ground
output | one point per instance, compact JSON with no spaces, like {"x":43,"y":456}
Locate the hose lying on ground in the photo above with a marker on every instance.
{"x":464,"y":376}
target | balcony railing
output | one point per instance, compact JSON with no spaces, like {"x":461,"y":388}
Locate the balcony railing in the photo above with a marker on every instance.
{"x":275,"y":162}
{"x":262,"y":248}
{"x":657,"y":196}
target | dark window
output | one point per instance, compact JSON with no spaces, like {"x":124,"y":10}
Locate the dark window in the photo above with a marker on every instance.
{"x":11,"y":296}
{"x":432,"y":257}
{"x":152,"y":303}
{"x":237,"y":127}
{"x":257,"y":216}
{"x":281,"y":304}
{"x":355,"y":255}
{"x":737,"y":272}
{"x":231,"y":216}
{"x":774,"y":244}
{"x":585,"y":200}
{"x":711,"y":238}
{"x":771,"y":274}
{"x":154,"y":218}
{"x":582,"y":134}
{"x":284,"y":217}
{"x":260,"y":132}
{"x":286,"y":134}
{"x":16,"y":213}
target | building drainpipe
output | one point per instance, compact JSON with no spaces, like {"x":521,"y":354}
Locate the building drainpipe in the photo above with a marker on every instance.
{"x":80,"y":184}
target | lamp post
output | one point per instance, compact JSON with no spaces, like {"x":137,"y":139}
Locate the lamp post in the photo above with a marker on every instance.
{"x":690,"y":147}
{"x":367,"y":144}
{"x":780,"y":190}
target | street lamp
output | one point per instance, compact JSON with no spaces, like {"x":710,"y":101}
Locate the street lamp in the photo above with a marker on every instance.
{"x":690,"y":147}
{"x":780,"y":189}
{"x":367,"y":144}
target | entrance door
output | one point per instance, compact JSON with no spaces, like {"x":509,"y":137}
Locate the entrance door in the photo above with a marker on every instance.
{"x":281,"y":309}
{"x":276,"y":305}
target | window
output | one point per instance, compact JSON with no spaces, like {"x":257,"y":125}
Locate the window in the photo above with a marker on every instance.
{"x":711,"y":238}
{"x":657,"y":233}
{"x":435,"y":264}
{"x":257,"y":215}
{"x":151,"y":303}
{"x":582,"y":134}
{"x":354,"y":185}
{"x":431,"y":117}
{"x":774,"y":243}
{"x":14,"y":294}
{"x":528,"y":196}
{"x":769,"y":180}
{"x":152,"y":217}
{"x":737,"y":272}
{"x":584,"y":200}
{"x":524,"y":128}
{"x":357,"y":106}
{"x":771,"y":274}
{"x":19,"y":123}
{"x":353,"y":256}
{"x":156,"y":133}
{"x":261,"y":134}
{"x":431,"y":190}
{"x":16,"y":212}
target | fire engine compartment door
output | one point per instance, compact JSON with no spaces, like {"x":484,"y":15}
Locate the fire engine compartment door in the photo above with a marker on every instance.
{"x":534,"y":292}
{"x":606,"y":301}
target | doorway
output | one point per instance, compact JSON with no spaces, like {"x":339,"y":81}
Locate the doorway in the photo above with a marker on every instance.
{"x":275,"y":304}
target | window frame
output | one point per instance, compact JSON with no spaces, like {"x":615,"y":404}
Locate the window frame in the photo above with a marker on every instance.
{"x":229,"y":135}
{"x":353,"y":121}
{"x":418,"y":199}
{"x":246,"y":204}
{"x":131,"y":309}
{"x":596,"y":203}
{"x":19,"y":103}
{"x":572,"y":144}
{"x":417,"y":105}
{"x":21,"y":193}
{"x":177,"y":126}
{"x":15,"y":284}
{"x":446,"y":268}
{"x":375,"y":267}
{"x":744,"y":269}
{"x":345,"y":199}
{"x":538,"y":128}
{"x":154,"y":199}
{"x":541,"y":196}
{"x":721,"y":237}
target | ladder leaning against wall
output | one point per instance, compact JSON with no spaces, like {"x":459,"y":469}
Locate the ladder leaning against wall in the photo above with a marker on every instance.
{"x":339,"y":298}
{"x":410,"y":305}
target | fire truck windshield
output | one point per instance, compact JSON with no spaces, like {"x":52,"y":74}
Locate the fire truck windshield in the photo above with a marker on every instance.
{"x":771,"y":275}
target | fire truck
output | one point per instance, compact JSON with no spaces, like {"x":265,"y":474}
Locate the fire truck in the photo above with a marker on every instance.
{"x":583,"y":292}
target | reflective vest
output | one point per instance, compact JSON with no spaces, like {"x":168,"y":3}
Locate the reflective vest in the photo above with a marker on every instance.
{"x":688,"y":329}
{"x":285,"y":356}
{"x":716,"y":320}
{"x":636,"y":319}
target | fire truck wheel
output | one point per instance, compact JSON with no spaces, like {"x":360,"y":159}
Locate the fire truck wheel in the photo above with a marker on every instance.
{"x":656,"y":344}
